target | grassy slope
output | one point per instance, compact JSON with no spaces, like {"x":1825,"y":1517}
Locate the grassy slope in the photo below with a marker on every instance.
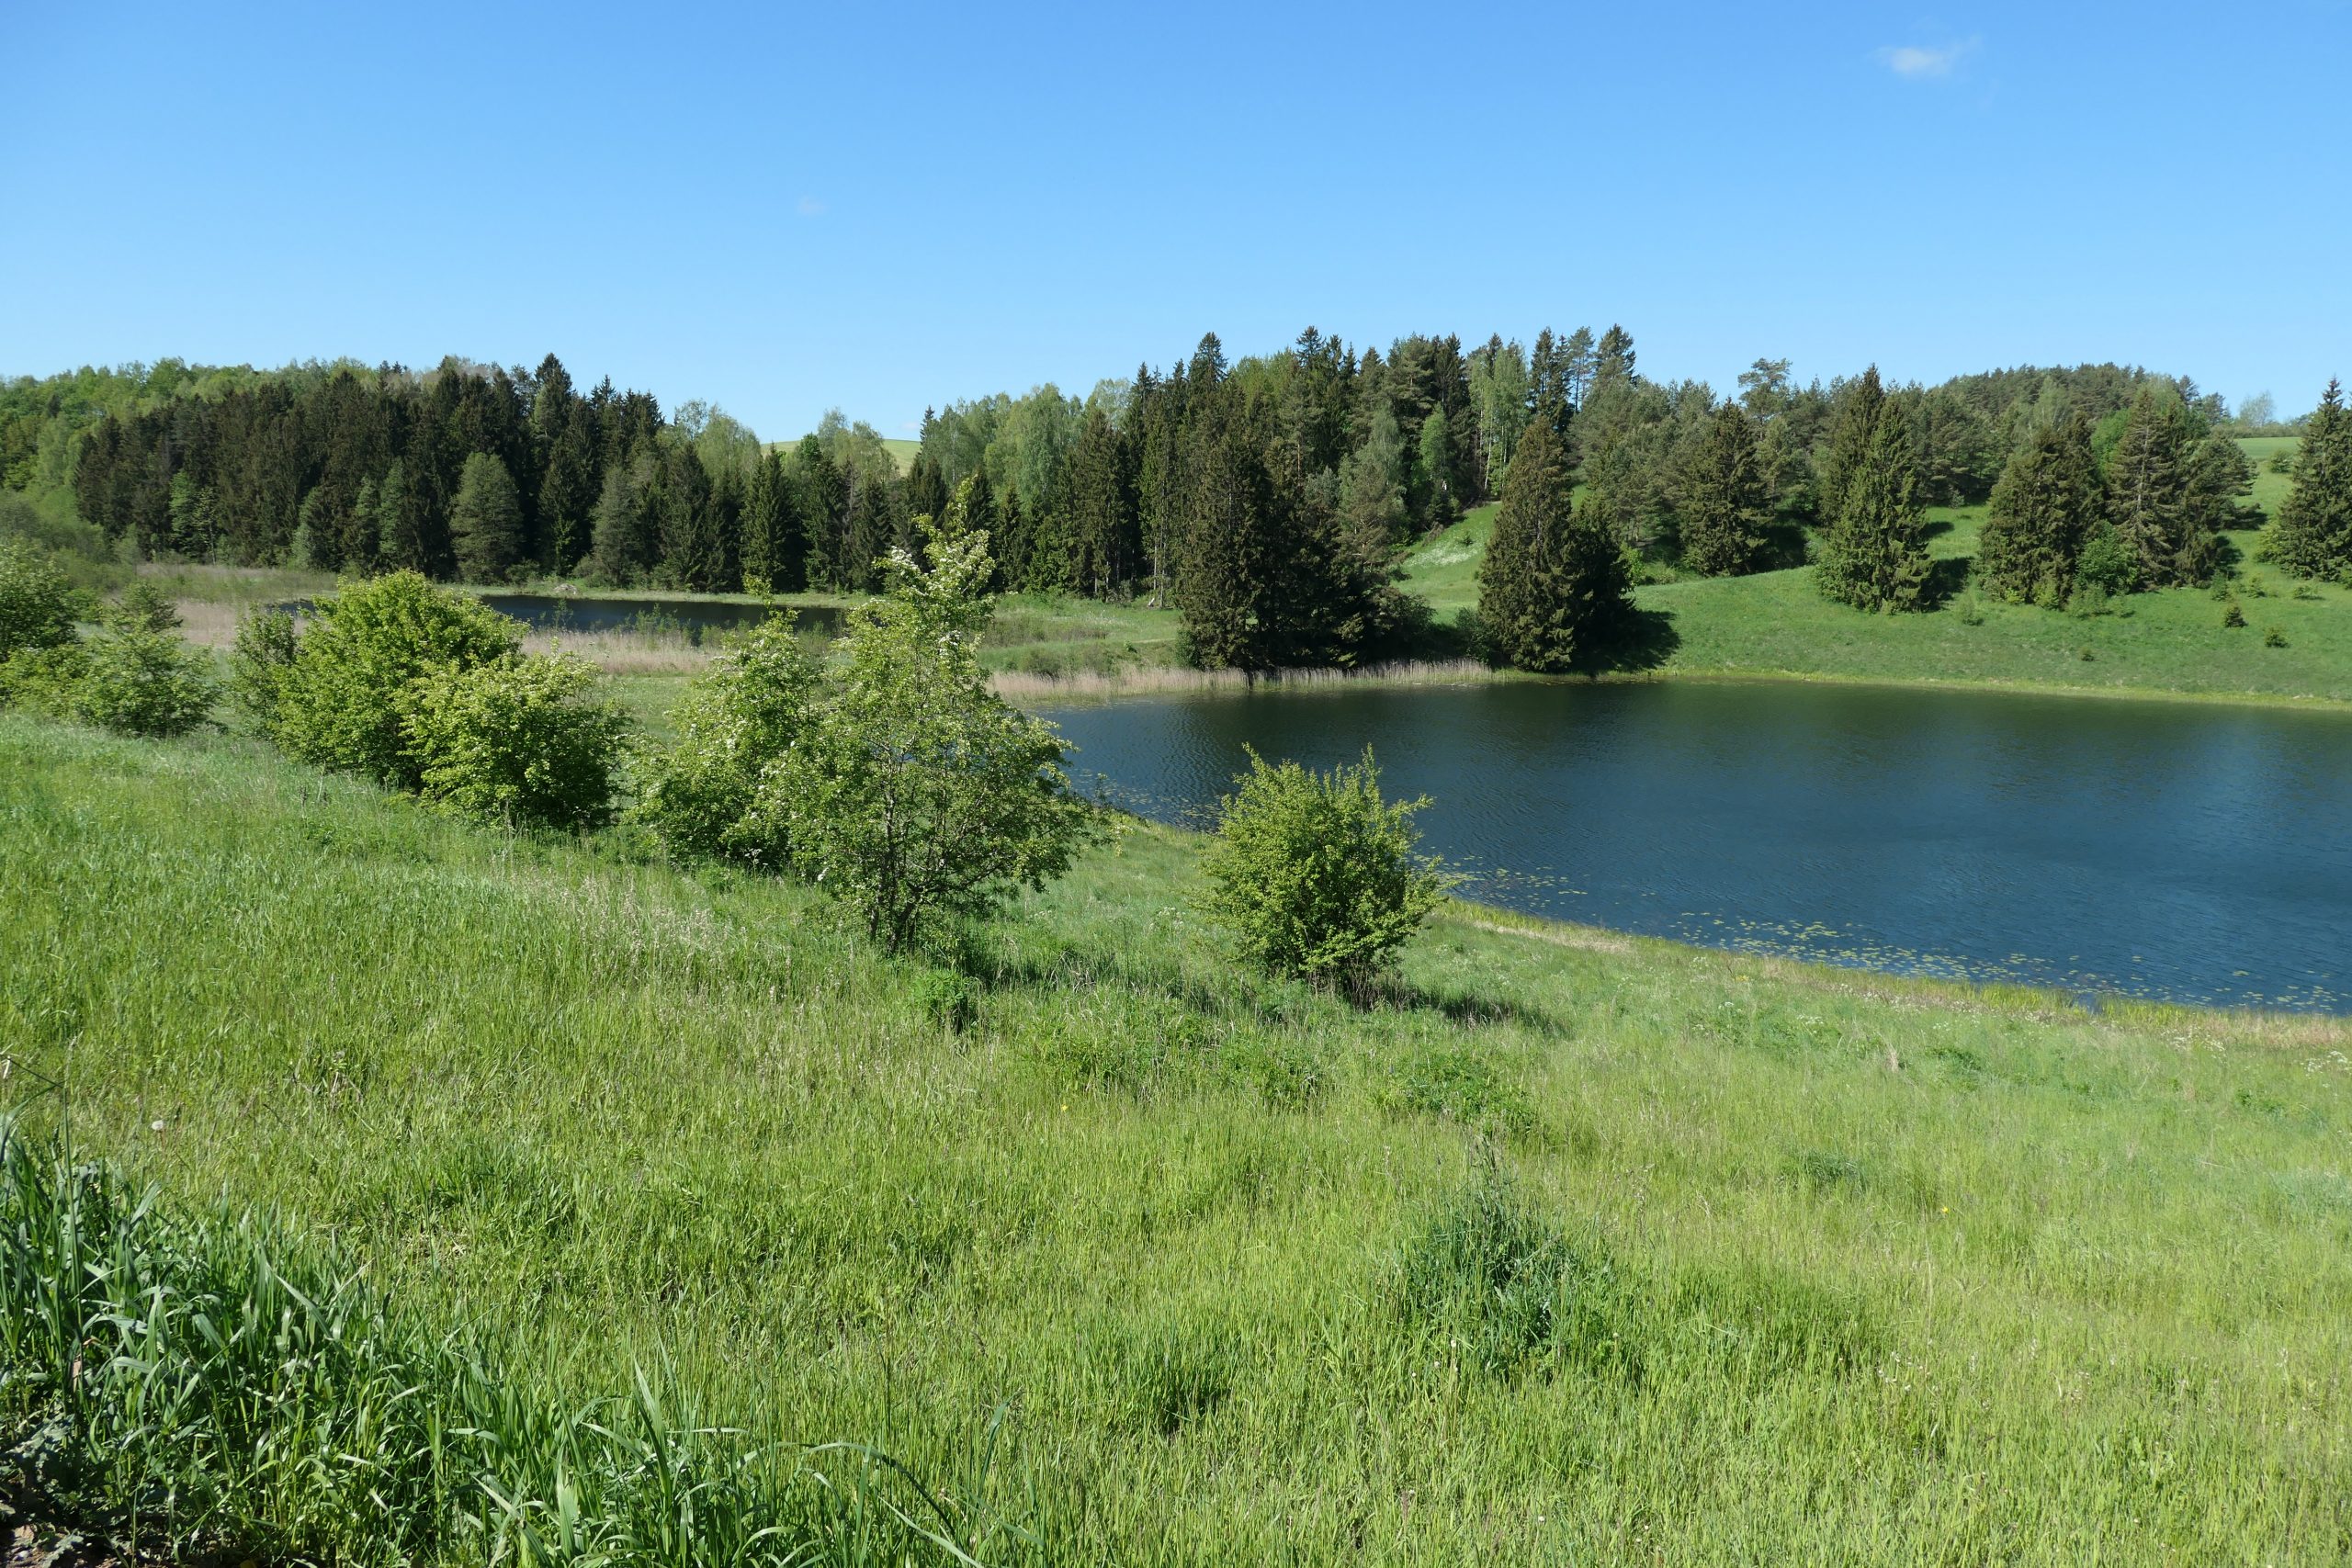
{"x":1776,"y":623}
{"x":1910,"y":1273}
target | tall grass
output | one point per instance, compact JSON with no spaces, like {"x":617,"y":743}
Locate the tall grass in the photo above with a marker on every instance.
{"x":1573,"y":1248}
{"x":205,"y":1380}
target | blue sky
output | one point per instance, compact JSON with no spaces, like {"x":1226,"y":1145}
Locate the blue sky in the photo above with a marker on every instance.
{"x":784,"y":210}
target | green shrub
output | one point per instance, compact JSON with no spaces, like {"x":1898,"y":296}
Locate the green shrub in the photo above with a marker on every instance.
{"x":2089,"y":599}
{"x":38,"y":606}
{"x":44,"y":680}
{"x":257,"y":665}
{"x":138,"y":681}
{"x":737,"y":718}
{"x":916,"y":793}
{"x":338,"y":701}
{"x":2274,"y":638}
{"x":2232,"y":616}
{"x":1316,"y":875}
{"x":2106,"y":562}
{"x":144,"y":607}
{"x":514,"y":742}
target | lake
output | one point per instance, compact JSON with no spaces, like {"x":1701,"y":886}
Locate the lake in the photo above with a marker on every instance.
{"x":2180,"y":851}
{"x":693,"y":617}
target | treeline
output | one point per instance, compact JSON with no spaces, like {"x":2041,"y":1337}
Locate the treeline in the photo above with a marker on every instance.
{"x":1268,"y":500}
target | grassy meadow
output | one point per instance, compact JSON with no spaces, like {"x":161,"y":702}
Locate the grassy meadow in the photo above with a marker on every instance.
{"x":1572,"y":1247}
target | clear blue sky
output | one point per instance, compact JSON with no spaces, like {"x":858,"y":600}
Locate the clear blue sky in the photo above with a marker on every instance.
{"x":785,"y":210}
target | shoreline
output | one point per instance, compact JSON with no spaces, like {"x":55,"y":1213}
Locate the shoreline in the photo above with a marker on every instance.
{"x":1182,"y":680}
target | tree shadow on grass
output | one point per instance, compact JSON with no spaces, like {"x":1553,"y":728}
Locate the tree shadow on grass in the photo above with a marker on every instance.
{"x":1071,"y":965}
{"x":1649,"y":641}
{"x":1945,"y":580}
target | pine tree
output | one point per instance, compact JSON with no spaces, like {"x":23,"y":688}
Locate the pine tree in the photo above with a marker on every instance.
{"x":926,"y":486}
{"x":568,"y":491}
{"x":1861,"y":406}
{"x":2149,"y":498}
{"x":1229,"y":553}
{"x":1724,"y":505}
{"x":486,"y":523}
{"x":621,"y":549}
{"x":1577,"y":368}
{"x":691,"y":553}
{"x":2043,"y":508}
{"x":401,"y":545}
{"x":823,"y":510}
{"x":1875,"y":556}
{"x":1553,"y":591}
{"x":1101,"y":515}
{"x":2314,"y":536}
{"x":1612,"y":361}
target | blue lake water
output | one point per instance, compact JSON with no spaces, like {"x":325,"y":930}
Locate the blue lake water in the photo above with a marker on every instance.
{"x":2183,"y":851}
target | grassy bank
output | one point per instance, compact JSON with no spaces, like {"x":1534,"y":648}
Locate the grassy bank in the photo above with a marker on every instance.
{"x":1578,"y":1247}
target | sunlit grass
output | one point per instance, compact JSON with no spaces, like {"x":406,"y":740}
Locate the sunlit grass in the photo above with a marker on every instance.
{"x":1779,"y":1263}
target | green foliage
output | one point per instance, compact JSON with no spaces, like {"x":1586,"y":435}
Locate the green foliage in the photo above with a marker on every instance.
{"x":514,"y":741}
{"x":2044,"y":506}
{"x":486,"y":522}
{"x":2106,"y":562}
{"x":38,"y":607}
{"x":258,"y":660}
{"x":1875,"y":556}
{"x":2232,"y":616}
{"x":142,"y":606}
{"x":337,"y":704}
{"x":1725,"y":506}
{"x":2314,"y":536}
{"x":916,"y":794}
{"x":2153,"y":501}
{"x":2273,"y":637}
{"x":142,"y":682}
{"x":737,"y":720}
{"x":45,"y":680}
{"x":1315,"y":875}
{"x":1553,"y":591}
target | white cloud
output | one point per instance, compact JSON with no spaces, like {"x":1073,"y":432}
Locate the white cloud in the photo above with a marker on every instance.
{"x":811,"y":208}
{"x":1918,"y":60}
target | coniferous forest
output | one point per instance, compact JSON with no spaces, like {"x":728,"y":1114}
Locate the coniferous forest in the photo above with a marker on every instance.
{"x":1266,"y":500}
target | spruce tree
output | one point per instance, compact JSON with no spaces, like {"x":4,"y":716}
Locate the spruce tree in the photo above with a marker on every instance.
{"x":1861,"y":406}
{"x":2314,"y":536}
{"x":400,"y":523}
{"x":1875,"y":556}
{"x":1724,"y":505}
{"x":486,"y":523}
{"x":1101,"y":515}
{"x":2150,"y":502}
{"x":2044,"y":506}
{"x":1553,"y":591}
{"x":617,"y":554}
{"x":823,"y":510}
{"x":568,"y":492}
{"x":1229,"y":551}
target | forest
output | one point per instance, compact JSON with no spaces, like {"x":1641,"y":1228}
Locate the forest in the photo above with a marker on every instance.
{"x":1266,"y":499}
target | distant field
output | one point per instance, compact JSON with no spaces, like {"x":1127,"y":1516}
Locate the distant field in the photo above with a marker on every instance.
{"x":1776,"y":623}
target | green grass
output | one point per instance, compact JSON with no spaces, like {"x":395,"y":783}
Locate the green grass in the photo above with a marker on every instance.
{"x":1576,"y":1249}
{"x":1776,"y":623}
